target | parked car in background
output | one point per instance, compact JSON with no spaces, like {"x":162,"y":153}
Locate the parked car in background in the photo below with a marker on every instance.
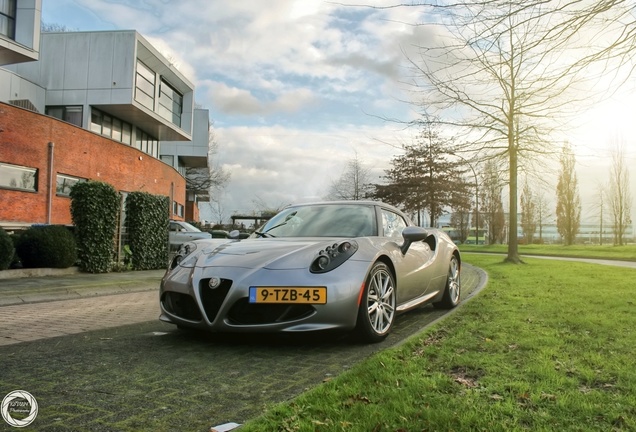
{"x":183,"y":232}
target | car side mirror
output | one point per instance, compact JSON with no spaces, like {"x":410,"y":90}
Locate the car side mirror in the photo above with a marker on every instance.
{"x":411,"y":235}
{"x":234,"y":234}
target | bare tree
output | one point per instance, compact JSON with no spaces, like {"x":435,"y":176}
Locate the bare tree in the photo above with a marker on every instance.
{"x":506,"y":75}
{"x":211,"y":179}
{"x":568,"y":211}
{"x":491,"y":208}
{"x":354,"y":183}
{"x":619,"y":194}
{"x":528,"y":212}
{"x":543,"y":213}
{"x":599,"y":206}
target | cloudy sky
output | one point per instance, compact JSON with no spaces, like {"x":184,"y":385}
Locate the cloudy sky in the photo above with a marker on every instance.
{"x":298,"y":87}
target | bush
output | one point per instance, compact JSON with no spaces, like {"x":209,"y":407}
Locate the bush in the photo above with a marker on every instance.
{"x":95,"y":210}
{"x":47,"y":246}
{"x":147,"y":220}
{"x":7,"y":250}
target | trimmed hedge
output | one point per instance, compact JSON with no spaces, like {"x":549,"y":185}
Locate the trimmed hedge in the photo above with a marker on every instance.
{"x":47,"y":246}
{"x":95,"y":210}
{"x":7,"y":250}
{"x":147,"y":221}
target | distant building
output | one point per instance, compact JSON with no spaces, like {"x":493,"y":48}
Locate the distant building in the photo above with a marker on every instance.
{"x":98,"y":106}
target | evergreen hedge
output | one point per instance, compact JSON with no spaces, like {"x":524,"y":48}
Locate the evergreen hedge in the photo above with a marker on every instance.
{"x":95,"y":208}
{"x":147,"y":221}
{"x":46,"y":246}
{"x":7,"y":250}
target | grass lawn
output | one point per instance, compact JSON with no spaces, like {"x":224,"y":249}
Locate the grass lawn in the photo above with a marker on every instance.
{"x":625,"y":253}
{"x":546,"y":346}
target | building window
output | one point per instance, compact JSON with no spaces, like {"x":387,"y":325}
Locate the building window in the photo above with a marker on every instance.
{"x":70,"y":114}
{"x":146,"y":143}
{"x":170,"y":103}
{"x":111,"y":127}
{"x":145,"y":81}
{"x":7,"y":18}
{"x":65,"y":183}
{"x":18,"y":177}
{"x":177,"y":209}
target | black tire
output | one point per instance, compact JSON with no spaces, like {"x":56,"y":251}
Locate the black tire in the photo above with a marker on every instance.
{"x":376,"y":313}
{"x":453,"y":289}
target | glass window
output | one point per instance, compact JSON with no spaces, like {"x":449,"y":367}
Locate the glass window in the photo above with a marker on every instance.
{"x":96,"y":121}
{"x":65,"y":183}
{"x":70,"y":114}
{"x":110,"y":126}
{"x":116,"y":129}
{"x":392,"y":224}
{"x":138,"y":138}
{"x":7,"y":18}
{"x":18,"y":177}
{"x":73,"y":115}
{"x":107,"y":124}
{"x":145,"y":81}
{"x":170,"y":103}
{"x":126,"y":133}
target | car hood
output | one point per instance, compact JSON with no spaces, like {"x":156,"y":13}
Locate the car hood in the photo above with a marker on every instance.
{"x":270,"y":253}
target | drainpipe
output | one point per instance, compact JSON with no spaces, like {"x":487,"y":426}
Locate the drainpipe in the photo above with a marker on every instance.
{"x":50,"y":188}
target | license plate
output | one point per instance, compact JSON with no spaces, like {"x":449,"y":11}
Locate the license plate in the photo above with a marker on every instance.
{"x":302,"y":295}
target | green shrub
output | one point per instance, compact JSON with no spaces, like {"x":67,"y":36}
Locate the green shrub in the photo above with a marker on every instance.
{"x":147,"y":221}
{"x":7,"y":250}
{"x":47,"y":246}
{"x":95,"y":210}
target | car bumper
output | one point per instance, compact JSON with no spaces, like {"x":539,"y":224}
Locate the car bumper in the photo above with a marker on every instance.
{"x":187,"y":300}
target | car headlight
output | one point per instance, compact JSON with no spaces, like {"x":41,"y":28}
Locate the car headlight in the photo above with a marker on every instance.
{"x":185,"y":256}
{"x":333,"y":256}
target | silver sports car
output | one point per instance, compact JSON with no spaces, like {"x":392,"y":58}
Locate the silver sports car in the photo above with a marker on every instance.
{"x":348,"y":265}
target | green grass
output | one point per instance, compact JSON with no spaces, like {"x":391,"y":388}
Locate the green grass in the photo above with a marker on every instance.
{"x":624,"y":253}
{"x":546,"y":346}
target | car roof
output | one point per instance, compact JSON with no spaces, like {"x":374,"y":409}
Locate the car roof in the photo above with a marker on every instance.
{"x":350,"y":202}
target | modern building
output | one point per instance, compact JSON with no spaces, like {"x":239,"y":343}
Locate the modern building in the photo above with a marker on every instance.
{"x":94,"y":106}
{"x":19,"y":30}
{"x":191,"y":154}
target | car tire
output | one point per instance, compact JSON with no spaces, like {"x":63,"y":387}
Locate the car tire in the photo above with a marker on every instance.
{"x":453,"y":289}
{"x":376,"y":313}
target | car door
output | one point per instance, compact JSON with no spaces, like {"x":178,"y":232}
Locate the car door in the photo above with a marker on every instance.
{"x":409,"y":267}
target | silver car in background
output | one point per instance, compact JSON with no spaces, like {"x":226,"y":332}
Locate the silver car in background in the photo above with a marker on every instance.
{"x":181,"y":232}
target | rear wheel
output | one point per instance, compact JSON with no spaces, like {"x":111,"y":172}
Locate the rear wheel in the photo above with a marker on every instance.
{"x":452,"y":292}
{"x":376,"y":313}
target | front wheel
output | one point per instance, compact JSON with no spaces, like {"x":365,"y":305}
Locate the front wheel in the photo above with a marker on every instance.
{"x":453,"y":289}
{"x":376,"y":313}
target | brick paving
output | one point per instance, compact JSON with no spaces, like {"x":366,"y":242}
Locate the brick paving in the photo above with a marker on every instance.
{"x":116,"y":367}
{"x":30,"y":322}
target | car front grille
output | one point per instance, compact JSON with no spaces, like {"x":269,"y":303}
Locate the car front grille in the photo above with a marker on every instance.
{"x":245,"y":313}
{"x":212,"y":298}
{"x":181,"y":305}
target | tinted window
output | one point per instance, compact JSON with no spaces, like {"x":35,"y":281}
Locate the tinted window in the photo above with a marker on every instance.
{"x":323,"y":221}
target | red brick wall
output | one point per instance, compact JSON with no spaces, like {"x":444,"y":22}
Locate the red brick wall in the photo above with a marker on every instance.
{"x":24,"y":140}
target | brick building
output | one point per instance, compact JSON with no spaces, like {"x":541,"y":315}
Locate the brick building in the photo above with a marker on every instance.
{"x":77,"y":106}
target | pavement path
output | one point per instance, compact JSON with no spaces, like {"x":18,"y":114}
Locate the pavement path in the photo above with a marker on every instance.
{"x":34,"y":321}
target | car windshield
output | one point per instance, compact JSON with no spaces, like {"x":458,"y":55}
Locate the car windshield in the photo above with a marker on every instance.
{"x":325,"y":220}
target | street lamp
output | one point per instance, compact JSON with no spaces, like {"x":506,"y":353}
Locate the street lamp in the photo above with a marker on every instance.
{"x":476,"y":196}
